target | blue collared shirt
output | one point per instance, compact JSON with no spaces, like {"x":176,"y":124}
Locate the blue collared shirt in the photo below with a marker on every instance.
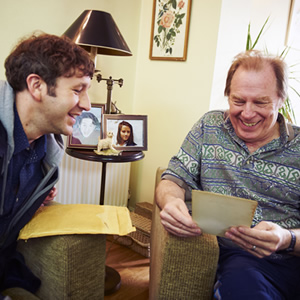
{"x":213,"y":158}
{"x":25,"y":170}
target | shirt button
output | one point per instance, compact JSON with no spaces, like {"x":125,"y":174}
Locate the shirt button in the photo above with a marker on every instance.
{"x":17,"y":200}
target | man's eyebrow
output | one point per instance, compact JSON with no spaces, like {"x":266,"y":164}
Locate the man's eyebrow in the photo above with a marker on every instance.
{"x":263,"y":98}
{"x":235,"y":97}
{"x":82,"y":85}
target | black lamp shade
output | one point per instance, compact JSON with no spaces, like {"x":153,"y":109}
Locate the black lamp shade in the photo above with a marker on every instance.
{"x":97,"y":29}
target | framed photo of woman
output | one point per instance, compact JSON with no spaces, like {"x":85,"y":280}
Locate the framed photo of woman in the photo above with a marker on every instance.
{"x":87,"y":129}
{"x":129,"y":131}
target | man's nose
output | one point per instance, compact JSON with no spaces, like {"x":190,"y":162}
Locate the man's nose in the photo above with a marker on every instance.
{"x":248,"y":110}
{"x":84,"y":102}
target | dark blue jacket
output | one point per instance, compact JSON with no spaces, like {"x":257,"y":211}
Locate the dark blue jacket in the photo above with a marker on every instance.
{"x":12,"y":268}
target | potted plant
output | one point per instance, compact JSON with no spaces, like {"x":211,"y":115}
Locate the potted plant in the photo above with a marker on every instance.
{"x":287,"y":109}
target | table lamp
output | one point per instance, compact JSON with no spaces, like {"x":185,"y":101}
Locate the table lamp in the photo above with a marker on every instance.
{"x":97,"y":32}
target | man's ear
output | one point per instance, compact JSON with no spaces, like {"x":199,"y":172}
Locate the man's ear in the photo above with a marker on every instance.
{"x":281,"y":102}
{"x":35,"y":85}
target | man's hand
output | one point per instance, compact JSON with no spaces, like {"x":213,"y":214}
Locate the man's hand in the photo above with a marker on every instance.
{"x":50,"y":196}
{"x":174,"y":214}
{"x":262,"y":240}
{"x":177,"y":220}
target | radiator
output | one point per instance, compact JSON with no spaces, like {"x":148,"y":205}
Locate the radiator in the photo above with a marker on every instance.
{"x":80,"y":182}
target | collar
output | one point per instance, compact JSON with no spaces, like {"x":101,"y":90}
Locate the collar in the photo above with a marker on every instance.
{"x":21,"y":140}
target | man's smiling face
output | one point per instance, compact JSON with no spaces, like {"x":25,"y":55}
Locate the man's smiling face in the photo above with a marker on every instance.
{"x":71,"y":98}
{"x":254,"y":105}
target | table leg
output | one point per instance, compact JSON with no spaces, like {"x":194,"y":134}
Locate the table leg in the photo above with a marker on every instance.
{"x":112,"y":277}
{"x":102,"y":188}
{"x":112,"y":281}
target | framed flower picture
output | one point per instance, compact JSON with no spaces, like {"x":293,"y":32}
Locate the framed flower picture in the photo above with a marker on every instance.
{"x":170,"y":29}
{"x":87,"y":128}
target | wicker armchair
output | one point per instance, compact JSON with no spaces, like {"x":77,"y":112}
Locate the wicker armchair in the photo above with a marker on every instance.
{"x":69,"y":266}
{"x":180,"y":268}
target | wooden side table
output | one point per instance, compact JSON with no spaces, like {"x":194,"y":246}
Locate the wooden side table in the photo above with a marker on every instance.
{"x":112,"y":277}
{"x":90,"y":155}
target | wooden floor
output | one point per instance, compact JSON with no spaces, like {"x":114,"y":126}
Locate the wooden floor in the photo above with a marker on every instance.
{"x":133,"y":269}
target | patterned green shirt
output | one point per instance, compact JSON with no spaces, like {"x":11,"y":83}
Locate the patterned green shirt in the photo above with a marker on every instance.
{"x":212,"y":158}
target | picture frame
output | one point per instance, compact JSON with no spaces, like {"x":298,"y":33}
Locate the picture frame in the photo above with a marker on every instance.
{"x":170,"y":30}
{"x":135,"y":131}
{"x":293,"y":32}
{"x":88,"y":128}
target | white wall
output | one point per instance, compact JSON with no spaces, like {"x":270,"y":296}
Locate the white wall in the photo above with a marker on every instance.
{"x":235,"y":17}
{"x":20,"y":18}
{"x":174,"y":95}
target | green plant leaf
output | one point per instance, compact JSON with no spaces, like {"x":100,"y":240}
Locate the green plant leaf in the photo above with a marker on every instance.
{"x":284,"y":52}
{"x":165,"y":7}
{"x":174,"y":3}
{"x":298,"y":94}
{"x":172,"y":32}
{"x":287,"y":110}
{"x":249,"y":41}
{"x":260,"y":33}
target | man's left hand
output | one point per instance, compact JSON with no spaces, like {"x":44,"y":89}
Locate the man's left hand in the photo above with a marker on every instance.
{"x":262,"y":240}
{"x":50,"y":196}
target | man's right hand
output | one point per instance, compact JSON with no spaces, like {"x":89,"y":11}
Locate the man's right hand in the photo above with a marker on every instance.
{"x":174,"y":213}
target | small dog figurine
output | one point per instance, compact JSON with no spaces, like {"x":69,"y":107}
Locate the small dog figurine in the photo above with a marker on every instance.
{"x":105,"y":146}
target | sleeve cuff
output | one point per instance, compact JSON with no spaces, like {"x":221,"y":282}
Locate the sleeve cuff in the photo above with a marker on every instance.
{"x":181,"y":183}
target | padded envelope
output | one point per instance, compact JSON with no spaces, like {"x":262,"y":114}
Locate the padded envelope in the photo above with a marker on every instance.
{"x":78,"y":219}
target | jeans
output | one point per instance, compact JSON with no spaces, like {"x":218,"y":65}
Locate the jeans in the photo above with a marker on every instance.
{"x":241,"y":275}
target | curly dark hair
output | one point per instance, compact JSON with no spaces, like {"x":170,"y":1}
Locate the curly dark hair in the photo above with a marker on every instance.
{"x":48,"y":56}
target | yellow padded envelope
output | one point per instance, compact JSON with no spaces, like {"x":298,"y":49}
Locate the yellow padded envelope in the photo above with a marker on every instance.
{"x":78,"y":219}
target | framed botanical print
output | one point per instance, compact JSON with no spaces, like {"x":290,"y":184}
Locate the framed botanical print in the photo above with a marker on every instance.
{"x":170,"y":29}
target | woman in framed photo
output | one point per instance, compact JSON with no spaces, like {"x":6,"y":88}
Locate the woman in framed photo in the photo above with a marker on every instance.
{"x":125,"y":134}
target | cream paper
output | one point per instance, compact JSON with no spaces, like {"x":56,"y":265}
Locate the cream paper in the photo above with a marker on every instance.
{"x":78,"y":219}
{"x":215,"y":213}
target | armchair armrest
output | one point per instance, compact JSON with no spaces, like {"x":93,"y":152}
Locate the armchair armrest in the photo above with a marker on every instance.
{"x":181,"y":268}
